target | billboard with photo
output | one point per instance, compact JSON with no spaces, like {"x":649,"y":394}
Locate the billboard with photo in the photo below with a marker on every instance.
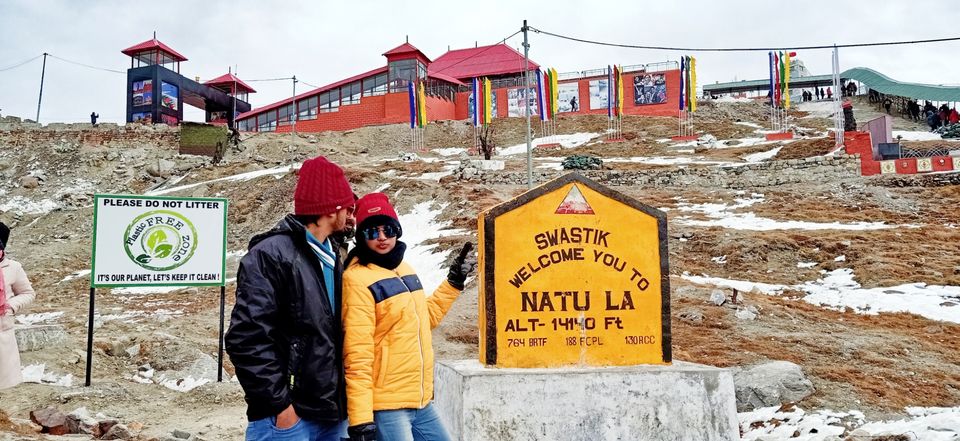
{"x":598,"y":94}
{"x":169,"y":120}
{"x":649,"y":89}
{"x":143,"y":117}
{"x":493,"y":105}
{"x":170,"y":95}
{"x":515,"y":105}
{"x":143,"y":93}
{"x":568,"y":97}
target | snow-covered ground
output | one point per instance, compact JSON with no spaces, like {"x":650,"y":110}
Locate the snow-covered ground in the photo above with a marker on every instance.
{"x":762,"y":156}
{"x":419,"y":226}
{"x":450,"y":151}
{"x":912,"y":135}
{"x":277,"y":172}
{"x":923,"y":423}
{"x":565,"y":141}
{"x":555,"y":163}
{"x":816,"y":109}
{"x":722,"y":215}
{"x":838,"y":290}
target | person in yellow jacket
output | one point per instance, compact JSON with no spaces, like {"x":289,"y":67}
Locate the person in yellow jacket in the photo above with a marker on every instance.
{"x":387,"y":319}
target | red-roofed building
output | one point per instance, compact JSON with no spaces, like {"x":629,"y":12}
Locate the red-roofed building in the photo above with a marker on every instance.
{"x":485,"y":61}
{"x":156,"y":92}
{"x":380,"y":96}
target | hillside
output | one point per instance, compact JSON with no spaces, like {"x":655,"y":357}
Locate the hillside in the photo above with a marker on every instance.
{"x":856,"y":280}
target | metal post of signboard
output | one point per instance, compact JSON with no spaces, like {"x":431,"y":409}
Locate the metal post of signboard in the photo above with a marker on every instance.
{"x":223,"y":290}
{"x":93,"y":292}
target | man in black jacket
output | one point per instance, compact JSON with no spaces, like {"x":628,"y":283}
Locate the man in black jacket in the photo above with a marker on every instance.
{"x":285,"y":339}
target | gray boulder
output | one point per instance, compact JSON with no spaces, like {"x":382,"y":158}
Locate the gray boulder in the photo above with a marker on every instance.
{"x":770,"y":384}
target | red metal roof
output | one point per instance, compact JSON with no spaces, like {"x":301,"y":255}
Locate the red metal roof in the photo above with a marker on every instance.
{"x":282,"y":103}
{"x":445,"y":77}
{"x":230,"y":79}
{"x":150,"y":45}
{"x":497,"y":59}
{"x":405,"y":48}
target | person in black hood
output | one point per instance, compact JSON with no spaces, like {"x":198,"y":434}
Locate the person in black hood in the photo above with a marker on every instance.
{"x":285,"y":338}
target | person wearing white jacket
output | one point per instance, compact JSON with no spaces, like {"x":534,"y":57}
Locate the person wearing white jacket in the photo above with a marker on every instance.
{"x":15,"y":293}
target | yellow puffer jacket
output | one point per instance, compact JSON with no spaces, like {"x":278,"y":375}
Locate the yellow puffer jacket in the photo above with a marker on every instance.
{"x":387,"y":349}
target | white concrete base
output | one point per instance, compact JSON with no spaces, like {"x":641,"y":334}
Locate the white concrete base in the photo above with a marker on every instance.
{"x":685,"y":401}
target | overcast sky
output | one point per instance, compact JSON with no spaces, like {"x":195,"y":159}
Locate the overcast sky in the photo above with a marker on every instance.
{"x":325,"y":41}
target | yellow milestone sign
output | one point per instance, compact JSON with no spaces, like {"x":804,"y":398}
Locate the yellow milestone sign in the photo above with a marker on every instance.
{"x":574,"y":273}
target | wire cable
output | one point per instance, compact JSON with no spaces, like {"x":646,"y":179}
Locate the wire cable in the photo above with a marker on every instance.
{"x":20,"y":63}
{"x":86,"y":65}
{"x":270,"y":79}
{"x":740,"y":49}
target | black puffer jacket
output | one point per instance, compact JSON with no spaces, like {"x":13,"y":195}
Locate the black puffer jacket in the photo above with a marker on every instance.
{"x":284,"y":338}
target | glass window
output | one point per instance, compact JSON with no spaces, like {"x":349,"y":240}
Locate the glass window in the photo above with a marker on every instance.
{"x":375,"y":85}
{"x":402,"y":72}
{"x":307,"y":108}
{"x":350,"y":94}
{"x":246,"y":125}
{"x":330,"y":101}
{"x":284,"y":114}
{"x":267,"y":122}
{"x":421,"y":70}
{"x":262,"y":122}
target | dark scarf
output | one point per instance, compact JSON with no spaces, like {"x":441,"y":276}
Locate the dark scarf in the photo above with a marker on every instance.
{"x":367,"y":256}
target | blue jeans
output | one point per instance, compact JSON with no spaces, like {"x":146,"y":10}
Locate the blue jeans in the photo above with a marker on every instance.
{"x":266,"y":430}
{"x":410,"y":425}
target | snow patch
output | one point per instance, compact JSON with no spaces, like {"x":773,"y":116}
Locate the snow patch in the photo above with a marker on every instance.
{"x":143,"y":290}
{"x":837,"y":290}
{"x":762,"y":156}
{"x":928,"y":424}
{"x":42,"y":317}
{"x":75,"y":275}
{"x":35,"y":373}
{"x":450,"y":151}
{"x":419,"y":226}
{"x":21,"y":205}
{"x":721,"y":215}
{"x":910,"y":135}
{"x":565,"y":141}
{"x":277,"y":172}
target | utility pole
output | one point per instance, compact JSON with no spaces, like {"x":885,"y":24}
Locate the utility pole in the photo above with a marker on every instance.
{"x":293,"y":112}
{"x":526,"y":107}
{"x":43,"y":73}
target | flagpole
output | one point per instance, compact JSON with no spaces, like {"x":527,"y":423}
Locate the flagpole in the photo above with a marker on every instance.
{"x":526,"y":107}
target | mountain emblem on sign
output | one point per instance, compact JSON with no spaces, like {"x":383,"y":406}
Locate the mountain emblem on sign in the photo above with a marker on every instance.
{"x":574,"y":203}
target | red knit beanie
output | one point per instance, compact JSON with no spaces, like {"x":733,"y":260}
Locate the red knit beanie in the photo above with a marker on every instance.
{"x":321,"y":188}
{"x":375,"y":207}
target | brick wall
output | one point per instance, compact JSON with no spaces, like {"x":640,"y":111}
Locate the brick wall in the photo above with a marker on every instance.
{"x":29,"y":135}
{"x":860,"y":143}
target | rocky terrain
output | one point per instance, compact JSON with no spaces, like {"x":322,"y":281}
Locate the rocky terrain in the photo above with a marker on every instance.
{"x":835,"y":293}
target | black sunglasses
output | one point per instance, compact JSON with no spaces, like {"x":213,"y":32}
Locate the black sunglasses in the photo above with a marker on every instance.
{"x":389,"y":231}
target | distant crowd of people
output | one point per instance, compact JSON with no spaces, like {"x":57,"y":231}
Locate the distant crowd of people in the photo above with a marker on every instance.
{"x":819,"y":93}
{"x":935,"y":117}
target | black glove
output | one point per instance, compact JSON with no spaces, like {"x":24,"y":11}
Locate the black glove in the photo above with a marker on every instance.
{"x":363,"y":432}
{"x":462,"y":266}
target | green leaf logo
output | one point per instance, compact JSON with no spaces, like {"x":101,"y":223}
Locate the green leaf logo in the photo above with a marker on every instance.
{"x":162,"y":251}
{"x":144,"y":258}
{"x":156,"y":238}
